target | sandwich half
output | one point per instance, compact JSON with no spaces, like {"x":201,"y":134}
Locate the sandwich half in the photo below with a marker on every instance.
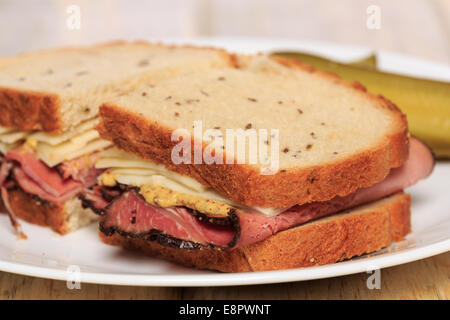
{"x":342,"y":158}
{"x":49,"y":102}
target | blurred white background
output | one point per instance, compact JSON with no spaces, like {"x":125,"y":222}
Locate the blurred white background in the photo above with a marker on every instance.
{"x":417,"y":27}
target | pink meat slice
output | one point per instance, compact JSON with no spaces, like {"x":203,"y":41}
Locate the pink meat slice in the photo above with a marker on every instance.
{"x":47,"y":178}
{"x":31,"y":187}
{"x":49,"y":184}
{"x":94,"y":195}
{"x":419,"y":165}
{"x":130,"y":213}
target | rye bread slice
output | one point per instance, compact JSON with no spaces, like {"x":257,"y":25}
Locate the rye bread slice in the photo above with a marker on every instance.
{"x":55,"y":90}
{"x":334,"y":137}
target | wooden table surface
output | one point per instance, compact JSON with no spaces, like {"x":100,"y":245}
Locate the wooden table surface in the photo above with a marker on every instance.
{"x":416,"y":27}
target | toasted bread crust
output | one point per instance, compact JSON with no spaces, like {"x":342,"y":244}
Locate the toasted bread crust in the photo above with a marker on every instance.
{"x":28,"y":110}
{"x":243,"y":183}
{"x":324,"y":241}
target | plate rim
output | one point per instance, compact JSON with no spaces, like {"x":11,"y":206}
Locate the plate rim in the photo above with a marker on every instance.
{"x":232,"y":279}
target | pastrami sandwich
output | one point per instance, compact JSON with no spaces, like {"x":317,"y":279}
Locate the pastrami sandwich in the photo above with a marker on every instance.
{"x":48,"y":109}
{"x":332,"y":163}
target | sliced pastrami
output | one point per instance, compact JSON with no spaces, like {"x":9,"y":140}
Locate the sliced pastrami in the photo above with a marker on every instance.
{"x":57,"y":184}
{"x":47,"y":178}
{"x":131,"y":214}
{"x":31,"y":187}
{"x":22,"y":169}
{"x":97,"y":198}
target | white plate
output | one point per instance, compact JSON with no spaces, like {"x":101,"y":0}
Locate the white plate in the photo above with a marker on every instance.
{"x":48,"y":255}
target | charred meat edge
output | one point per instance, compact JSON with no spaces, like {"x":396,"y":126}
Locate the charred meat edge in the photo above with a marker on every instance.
{"x":88,"y":204}
{"x":60,"y":171}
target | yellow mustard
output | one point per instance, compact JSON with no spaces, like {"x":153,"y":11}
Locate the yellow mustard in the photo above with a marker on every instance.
{"x":30,"y":144}
{"x":109,"y":179}
{"x":165,"y":197}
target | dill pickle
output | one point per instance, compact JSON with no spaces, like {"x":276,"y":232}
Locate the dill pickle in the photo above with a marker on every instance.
{"x":369,"y":62}
{"x":426,"y":103}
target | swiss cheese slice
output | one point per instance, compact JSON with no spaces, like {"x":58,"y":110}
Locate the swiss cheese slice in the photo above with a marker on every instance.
{"x":53,"y":155}
{"x":114,"y":159}
{"x":5,"y":147}
{"x":55,"y":139}
{"x":53,"y":149}
{"x":128,"y":169}
{"x":13,"y":137}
